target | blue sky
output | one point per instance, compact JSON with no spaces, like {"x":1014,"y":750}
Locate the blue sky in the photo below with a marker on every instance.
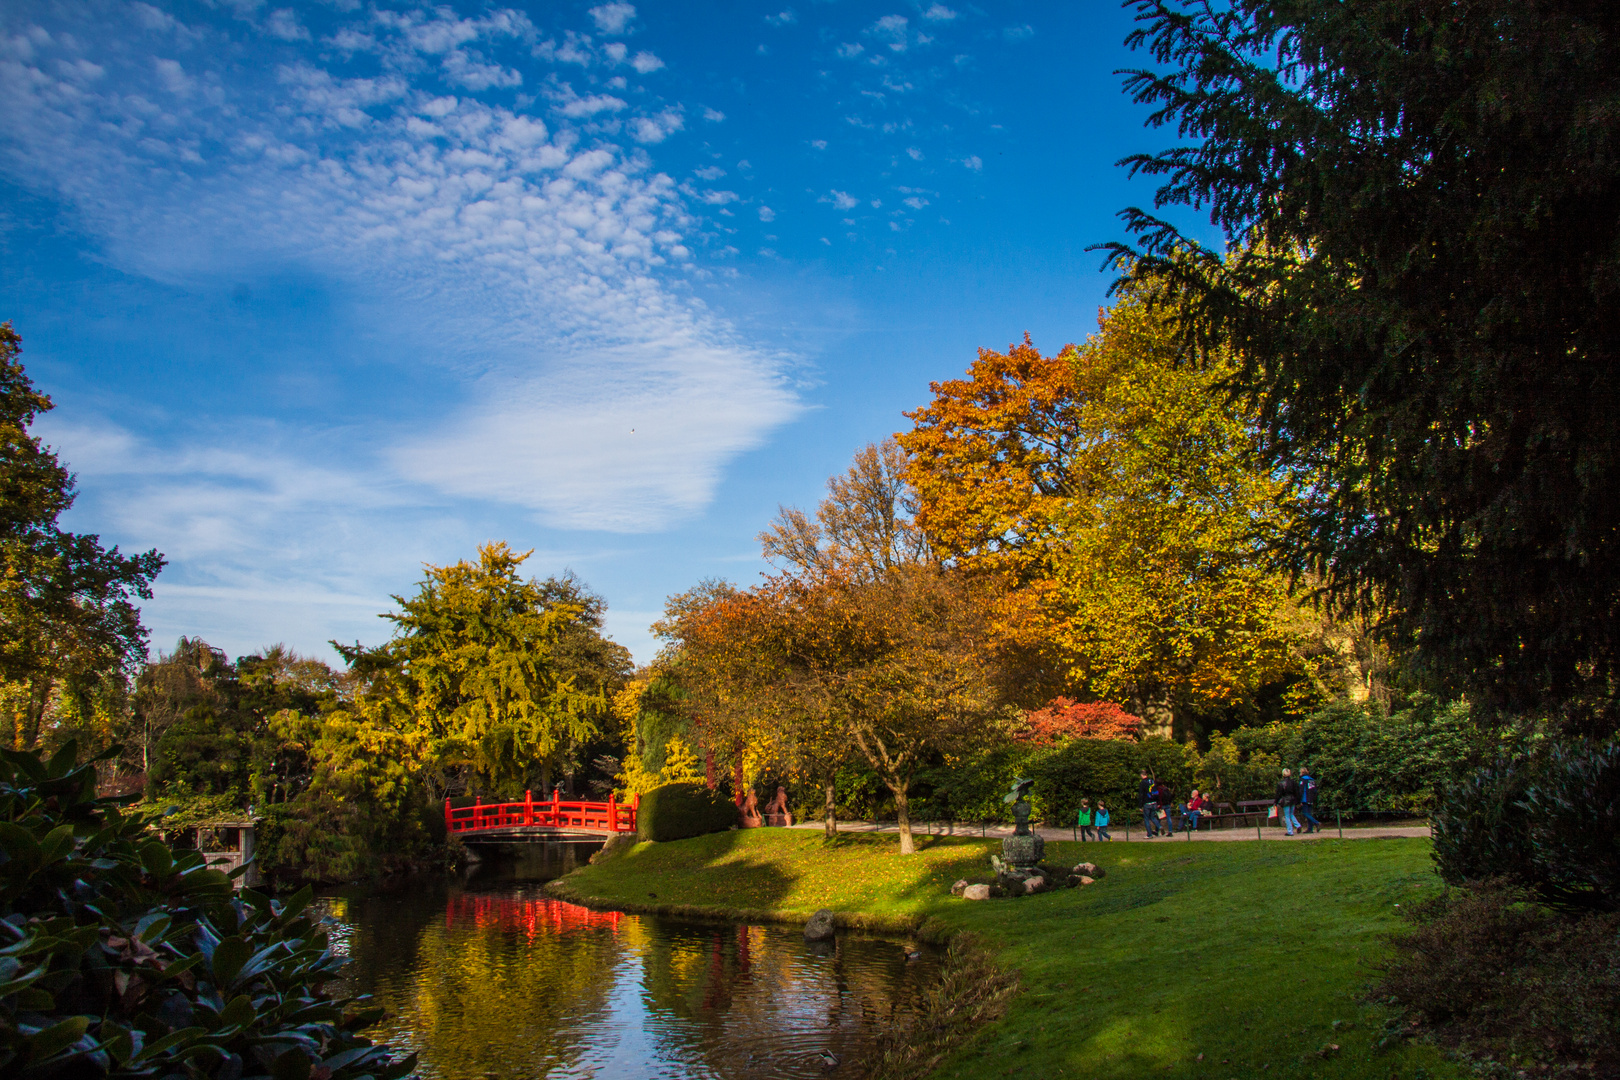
{"x":327,"y":291}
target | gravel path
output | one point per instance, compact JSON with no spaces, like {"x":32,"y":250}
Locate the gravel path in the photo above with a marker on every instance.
{"x":960,"y":828}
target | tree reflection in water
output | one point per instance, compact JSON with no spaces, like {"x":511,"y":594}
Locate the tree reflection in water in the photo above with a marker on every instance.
{"x":504,"y":982}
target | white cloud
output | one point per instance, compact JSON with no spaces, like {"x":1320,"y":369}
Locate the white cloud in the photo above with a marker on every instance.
{"x":916,"y":202}
{"x":713,"y":116}
{"x":709,"y":172}
{"x":645,"y":63}
{"x":914,"y":153}
{"x":1018,"y":33}
{"x":767,"y":214}
{"x":655,"y":129}
{"x":891,"y":30}
{"x":939,"y":13}
{"x":590,"y":106}
{"x":172,"y":76}
{"x":612,"y":18}
{"x":532,"y":261}
{"x":786,"y":17}
{"x":850,"y":50}
{"x":974,"y":162}
{"x":841,"y":199}
{"x":819,"y":144}
{"x":284,"y":24}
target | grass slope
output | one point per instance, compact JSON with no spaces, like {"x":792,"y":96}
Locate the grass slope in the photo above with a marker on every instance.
{"x":1247,"y":954}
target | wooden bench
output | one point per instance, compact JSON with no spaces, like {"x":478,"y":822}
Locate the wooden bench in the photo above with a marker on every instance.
{"x":1254,"y":808}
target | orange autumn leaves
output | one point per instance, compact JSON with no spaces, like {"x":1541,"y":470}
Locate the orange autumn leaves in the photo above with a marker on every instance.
{"x":1113,"y":496}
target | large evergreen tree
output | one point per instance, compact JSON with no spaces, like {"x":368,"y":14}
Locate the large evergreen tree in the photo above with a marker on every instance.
{"x":1423,"y":205}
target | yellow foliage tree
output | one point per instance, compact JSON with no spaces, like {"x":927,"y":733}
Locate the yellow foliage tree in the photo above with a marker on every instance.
{"x":470,"y":674}
{"x":1115,"y":495}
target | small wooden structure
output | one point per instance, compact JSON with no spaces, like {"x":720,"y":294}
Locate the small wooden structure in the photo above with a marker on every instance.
{"x":228,"y":844}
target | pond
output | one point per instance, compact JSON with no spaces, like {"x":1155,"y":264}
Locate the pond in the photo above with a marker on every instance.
{"x":489,"y":978}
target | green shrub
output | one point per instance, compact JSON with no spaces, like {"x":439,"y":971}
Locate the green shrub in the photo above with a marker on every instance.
{"x":1109,"y":769}
{"x":1546,"y":821}
{"x":677,"y":811}
{"x":121,"y":958}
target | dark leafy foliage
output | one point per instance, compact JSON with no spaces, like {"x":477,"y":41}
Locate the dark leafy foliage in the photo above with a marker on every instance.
{"x":1424,"y":205}
{"x":677,"y":811}
{"x":1546,"y":820}
{"x":1108,"y":769}
{"x":1498,"y":977}
{"x":121,"y":958}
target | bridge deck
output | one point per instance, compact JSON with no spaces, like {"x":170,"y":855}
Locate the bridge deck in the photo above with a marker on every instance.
{"x":510,"y":822}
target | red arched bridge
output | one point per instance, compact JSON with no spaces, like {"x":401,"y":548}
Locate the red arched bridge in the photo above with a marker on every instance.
{"x":529,"y":821}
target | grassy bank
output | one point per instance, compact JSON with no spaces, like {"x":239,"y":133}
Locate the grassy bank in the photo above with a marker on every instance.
{"x":1254,"y":956}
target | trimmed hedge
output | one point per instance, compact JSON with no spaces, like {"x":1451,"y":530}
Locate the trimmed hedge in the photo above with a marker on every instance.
{"x":677,"y":811}
{"x":1108,"y":769}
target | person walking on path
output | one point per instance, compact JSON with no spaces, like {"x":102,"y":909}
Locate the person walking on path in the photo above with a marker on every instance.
{"x":1150,"y":807}
{"x":1088,"y":818}
{"x":1195,"y":810}
{"x":1102,"y":821}
{"x":1307,"y":802}
{"x":1286,"y":799}
{"x":1167,"y":806}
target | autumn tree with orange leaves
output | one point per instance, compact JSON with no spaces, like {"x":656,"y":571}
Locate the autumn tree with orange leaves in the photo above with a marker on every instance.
{"x":862,"y":643}
{"x":1113,"y":497}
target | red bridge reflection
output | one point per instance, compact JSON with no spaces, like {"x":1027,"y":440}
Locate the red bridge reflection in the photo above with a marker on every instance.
{"x":530,"y":917}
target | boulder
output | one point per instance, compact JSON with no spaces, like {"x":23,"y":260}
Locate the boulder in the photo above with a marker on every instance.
{"x":1034,"y":885}
{"x":956,"y":890}
{"x":1086,"y":879}
{"x":1090,"y":869}
{"x":820,"y":927}
{"x":976,"y":892}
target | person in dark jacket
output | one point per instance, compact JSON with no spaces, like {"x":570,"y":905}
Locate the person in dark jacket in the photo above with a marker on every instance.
{"x":1307,"y":802}
{"x":1287,"y":798}
{"x":1167,"y":806}
{"x":1150,"y":808}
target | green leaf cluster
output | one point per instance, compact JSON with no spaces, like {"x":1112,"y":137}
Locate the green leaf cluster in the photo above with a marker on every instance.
{"x":121,"y":958}
{"x":68,"y":621}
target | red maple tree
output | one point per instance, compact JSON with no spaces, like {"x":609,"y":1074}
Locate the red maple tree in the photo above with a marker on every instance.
{"x":1063,"y":719}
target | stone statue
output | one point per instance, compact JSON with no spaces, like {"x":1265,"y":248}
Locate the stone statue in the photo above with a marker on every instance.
{"x":1023,"y":848}
{"x":776,"y":811}
{"x":1019,"y":797}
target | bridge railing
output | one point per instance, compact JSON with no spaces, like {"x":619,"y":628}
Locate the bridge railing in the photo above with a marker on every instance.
{"x":611,"y":816}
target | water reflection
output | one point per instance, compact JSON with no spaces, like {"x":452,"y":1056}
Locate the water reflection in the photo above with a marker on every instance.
{"x":492,"y":979}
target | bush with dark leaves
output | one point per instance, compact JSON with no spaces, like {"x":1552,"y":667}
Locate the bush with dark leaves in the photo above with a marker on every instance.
{"x":1495,"y":975}
{"x":122,"y":958}
{"x":1548,"y":820}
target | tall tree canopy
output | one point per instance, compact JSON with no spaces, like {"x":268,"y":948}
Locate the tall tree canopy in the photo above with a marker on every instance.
{"x":1423,"y":208}
{"x":478,"y":674}
{"x":68,"y":619}
{"x":1116,"y":498}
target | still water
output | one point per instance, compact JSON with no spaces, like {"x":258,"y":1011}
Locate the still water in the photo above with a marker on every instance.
{"x":489,"y":978}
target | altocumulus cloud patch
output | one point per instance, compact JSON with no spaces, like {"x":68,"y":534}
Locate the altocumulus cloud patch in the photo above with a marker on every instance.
{"x":469,"y":174}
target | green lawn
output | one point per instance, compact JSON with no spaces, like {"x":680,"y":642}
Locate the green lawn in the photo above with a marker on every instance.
{"x":1247,"y":954}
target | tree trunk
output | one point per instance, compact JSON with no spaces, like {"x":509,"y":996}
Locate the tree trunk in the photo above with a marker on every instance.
{"x":39,"y":696}
{"x":902,"y":813}
{"x":832,"y":818}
